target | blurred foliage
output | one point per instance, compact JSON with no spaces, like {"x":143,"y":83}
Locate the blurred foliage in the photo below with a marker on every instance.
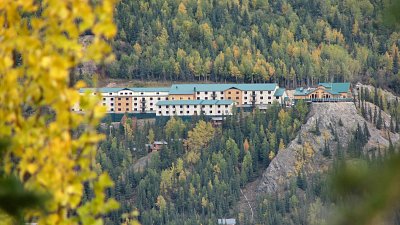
{"x":371,"y":192}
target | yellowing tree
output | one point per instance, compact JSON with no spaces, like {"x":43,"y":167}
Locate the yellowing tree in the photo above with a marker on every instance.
{"x":39,"y":45}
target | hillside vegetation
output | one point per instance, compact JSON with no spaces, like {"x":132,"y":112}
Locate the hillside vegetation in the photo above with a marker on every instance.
{"x":291,"y":42}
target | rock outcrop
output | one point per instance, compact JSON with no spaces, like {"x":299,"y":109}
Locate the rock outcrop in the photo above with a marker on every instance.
{"x":306,"y":153}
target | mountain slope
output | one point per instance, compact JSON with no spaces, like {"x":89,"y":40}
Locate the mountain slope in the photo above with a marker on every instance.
{"x":288,"y":162}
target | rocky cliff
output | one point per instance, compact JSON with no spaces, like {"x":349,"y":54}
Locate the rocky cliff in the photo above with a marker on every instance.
{"x":307,"y":152}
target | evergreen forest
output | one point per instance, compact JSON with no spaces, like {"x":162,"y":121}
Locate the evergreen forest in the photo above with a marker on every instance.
{"x":290,"y":42}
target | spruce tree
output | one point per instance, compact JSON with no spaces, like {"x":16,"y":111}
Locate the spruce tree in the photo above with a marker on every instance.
{"x":366,"y":131}
{"x":376,"y":97}
{"x":327,"y":151}
{"x":379,"y":121}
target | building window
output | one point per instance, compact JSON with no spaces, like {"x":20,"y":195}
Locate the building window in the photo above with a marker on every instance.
{"x":119,"y":98}
{"x":198,"y":93}
{"x":229,"y":92}
{"x":127,"y":104}
{"x":219,"y":112}
{"x":269,"y":92}
{"x":173,"y":106}
{"x":203,"y":106}
{"x":187,"y":112}
{"x":127,"y":109}
{"x":180,"y":98}
{"x":158,"y":93}
{"x":222,"y":92}
{"x":112,"y":104}
{"x":198,"y":98}
{"x":229,"y":98}
{"x":222,"y":98}
{"x":73,"y":109}
{"x":277,"y":97}
{"x":219,"y":106}
{"x":237,"y":97}
{"x":237,"y":92}
{"x":151,"y":103}
{"x":167,"y":106}
{"x":119,"y":104}
{"x":206,"y":92}
{"x":126,"y":98}
{"x":119,"y":109}
{"x":181,"y":106}
{"x":159,"y":112}
{"x":135,"y":104}
{"x":245,"y":92}
{"x":195,"y":106}
{"x":104,"y":104}
{"x":151,"y":109}
{"x":158,"y":98}
{"x":110,"y":93}
{"x":181,"y":112}
{"x":206,"y":98}
{"x":134,"y":98}
{"x":187,"y":106}
{"x":159,"y":106}
{"x":245,"y":98}
{"x":141,"y":93}
{"x":112,"y":109}
{"x":210,"y":111}
{"x":261,"y":97}
{"x":189,"y":98}
{"x":226,"y":106}
{"x":269,"y":97}
{"x":151,"y":98}
{"x":112,"y":99}
{"x":261,"y":92}
{"x":245,"y":103}
{"x":104,"y":99}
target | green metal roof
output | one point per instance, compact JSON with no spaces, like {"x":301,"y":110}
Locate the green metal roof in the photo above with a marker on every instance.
{"x":191,"y":88}
{"x":303,"y":91}
{"x":337,"y":87}
{"x":195,"y":102}
{"x":150,"y":89}
{"x":279,"y":92}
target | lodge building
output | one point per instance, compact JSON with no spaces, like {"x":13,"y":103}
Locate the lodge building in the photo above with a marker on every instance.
{"x":188,"y":99}
{"x":325,"y":92}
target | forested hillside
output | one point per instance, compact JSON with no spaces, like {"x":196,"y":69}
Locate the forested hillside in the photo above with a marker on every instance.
{"x":291,"y":42}
{"x":197,"y":178}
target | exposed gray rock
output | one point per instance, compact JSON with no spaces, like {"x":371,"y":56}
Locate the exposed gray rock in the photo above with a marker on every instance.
{"x":308,"y":154}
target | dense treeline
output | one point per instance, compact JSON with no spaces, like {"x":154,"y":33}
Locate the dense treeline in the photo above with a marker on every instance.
{"x":291,"y":42}
{"x":197,"y":177}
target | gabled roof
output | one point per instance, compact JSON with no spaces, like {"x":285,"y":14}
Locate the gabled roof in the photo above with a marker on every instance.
{"x":195,"y":102}
{"x":337,"y":87}
{"x":279,"y":92}
{"x":303,"y":91}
